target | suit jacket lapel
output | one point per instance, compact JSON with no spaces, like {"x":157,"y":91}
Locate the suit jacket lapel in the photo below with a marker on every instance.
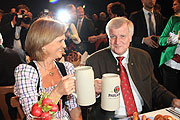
{"x":82,"y":25}
{"x":157,"y":23}
{"x":132,"y":68}
{"x":143,"y":19}
{"x":134,"y":72}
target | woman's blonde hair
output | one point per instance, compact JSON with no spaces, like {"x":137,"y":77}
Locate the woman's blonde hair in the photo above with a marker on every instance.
{"x":42,"y":32}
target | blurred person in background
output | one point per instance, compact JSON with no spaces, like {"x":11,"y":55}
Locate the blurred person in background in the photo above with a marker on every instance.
{"x":101,"y":23}
{"x":14,"y":31}
{"x":114,"y":9}
{"x":9,"y":59}
{"x":7,"y":17}
{"x":85,"y":28}
{"x":170,"y":57}
{"x":95,"y":20}
{"x":117,"y":10}
{"x":108,"y":10}
{"x":13,"y":10}
{"x":72,"y":31}
{"x":148,"y":26}
{"x":157,"y":8}
{"x":72,"y":50}
{"x":1,"y":14}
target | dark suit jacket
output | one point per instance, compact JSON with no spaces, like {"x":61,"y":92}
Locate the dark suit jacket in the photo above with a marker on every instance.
{"x":8,"y":34}
{"x":140,"y":31}
{"x":142,"y":76}
{"x":9,"y":59}
{"x":87,"y":30}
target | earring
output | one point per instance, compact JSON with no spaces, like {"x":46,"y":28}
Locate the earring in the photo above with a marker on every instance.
{"x":43,"y":48}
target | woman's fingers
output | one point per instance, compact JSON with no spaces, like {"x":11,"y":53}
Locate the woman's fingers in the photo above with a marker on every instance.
{"x":67,"y":85}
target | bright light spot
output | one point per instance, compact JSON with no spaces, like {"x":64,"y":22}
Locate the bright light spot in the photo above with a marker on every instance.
{"x":63,"y":16}
{"x":53,"y":1}
{"x":84,"y":6}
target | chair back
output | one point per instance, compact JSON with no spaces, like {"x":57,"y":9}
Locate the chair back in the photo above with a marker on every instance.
{"x":15,"y":103}
{"x":3,"y":106}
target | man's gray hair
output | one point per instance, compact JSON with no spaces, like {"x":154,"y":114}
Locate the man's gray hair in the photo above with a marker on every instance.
{"x":117,"y":22}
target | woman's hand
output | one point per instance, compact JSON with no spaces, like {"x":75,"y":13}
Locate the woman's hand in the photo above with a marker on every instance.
{"x":66,"y":86}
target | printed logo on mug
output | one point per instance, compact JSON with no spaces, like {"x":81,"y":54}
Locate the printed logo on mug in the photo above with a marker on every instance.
{"x":110,"y":95}
{"x":116,"y":89}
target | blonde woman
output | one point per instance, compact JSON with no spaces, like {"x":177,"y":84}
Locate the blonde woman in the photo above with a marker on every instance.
{"x":45,"y":42}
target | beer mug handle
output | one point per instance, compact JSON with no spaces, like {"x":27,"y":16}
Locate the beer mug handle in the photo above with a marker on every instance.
{"x":74,"y":94}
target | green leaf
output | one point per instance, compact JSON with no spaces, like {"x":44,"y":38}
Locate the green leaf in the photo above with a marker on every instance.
{"x":46,"y":95}
{"x":46,"y":108}
{"x":50,"y":112}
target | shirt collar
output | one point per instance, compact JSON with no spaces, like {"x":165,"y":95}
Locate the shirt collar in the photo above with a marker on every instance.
{"x":146,"y":11}
{"x":177,"y":14}
{"x":81,"y":19}
{"x":125,"y":55}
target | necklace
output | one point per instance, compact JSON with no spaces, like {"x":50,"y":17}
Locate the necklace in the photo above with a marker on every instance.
{"x":50,"y":72}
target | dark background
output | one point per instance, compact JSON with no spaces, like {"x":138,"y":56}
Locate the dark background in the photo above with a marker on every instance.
{"x":92,"y":6}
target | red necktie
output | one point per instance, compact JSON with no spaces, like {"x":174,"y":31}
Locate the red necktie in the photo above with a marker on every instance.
{"x":126,"y":90}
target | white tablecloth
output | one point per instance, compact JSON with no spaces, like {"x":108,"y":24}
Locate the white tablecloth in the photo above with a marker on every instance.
{"x":162,"y":112}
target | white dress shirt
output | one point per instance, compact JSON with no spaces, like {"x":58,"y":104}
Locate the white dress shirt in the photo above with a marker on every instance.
{"x":147,"y":20}
{"x":1,"y":39}
{"x":17,"y":42}
{"x":121,"y":112}
{"x":173,"y":64}
{"x":79,"y":24}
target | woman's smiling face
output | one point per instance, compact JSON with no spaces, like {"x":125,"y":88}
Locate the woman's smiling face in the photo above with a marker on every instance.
{"x":55,"y":49}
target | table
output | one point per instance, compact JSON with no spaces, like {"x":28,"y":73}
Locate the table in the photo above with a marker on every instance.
{"x":152,"y":114}
{"x":161,"y":111}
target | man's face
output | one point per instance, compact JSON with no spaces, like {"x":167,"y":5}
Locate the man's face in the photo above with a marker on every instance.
{"x":148,"y":4}
{"x":80,"y":13}
{"x":119,"y":39}
{"x":176,"y":6}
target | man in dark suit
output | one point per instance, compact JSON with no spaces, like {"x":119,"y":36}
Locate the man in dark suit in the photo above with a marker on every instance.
{"x":9,"y":59}
{"x":15,"y":29}
{"x":143,"y":38}
{"x":139,"y":68}
{"x":85,"y":28}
